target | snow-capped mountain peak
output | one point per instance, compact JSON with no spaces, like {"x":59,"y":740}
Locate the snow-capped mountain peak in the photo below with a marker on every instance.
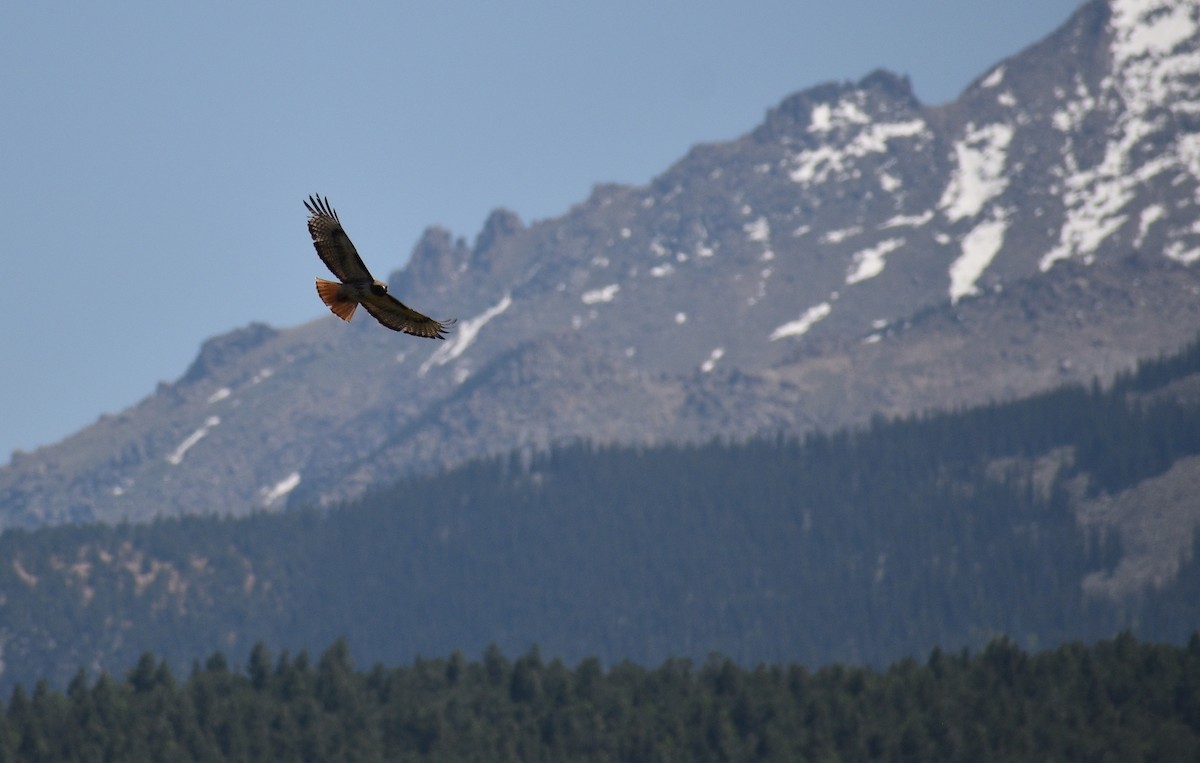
{"x":858,"y":253}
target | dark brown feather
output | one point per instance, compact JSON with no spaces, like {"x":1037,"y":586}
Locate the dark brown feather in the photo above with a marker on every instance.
{"x":397,"y":316}
{"x":332,"y":244}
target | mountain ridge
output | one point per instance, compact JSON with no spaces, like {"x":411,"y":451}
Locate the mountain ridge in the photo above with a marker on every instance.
{"x":857,"y":253}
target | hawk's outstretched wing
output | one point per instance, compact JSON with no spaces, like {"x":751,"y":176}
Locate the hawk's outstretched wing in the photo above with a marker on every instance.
{"x":332,"y":244}
{"x":397,"y":316}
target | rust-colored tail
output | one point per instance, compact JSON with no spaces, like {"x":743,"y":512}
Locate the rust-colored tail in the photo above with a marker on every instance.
{"x":328,"y":291}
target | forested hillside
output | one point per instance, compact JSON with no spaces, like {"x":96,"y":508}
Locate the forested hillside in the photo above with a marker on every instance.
{"x":1117,"y":700}
{"x":863,"y":546}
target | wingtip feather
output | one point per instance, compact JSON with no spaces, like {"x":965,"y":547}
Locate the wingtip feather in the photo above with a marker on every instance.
{"x":446,"y":327}
{"x":318,"y":206}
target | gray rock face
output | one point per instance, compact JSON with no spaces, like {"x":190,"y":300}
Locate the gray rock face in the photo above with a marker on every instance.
{"x":858,"y":253}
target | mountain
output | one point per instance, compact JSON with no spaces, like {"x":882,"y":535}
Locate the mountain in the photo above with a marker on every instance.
{"x":858,"y":253}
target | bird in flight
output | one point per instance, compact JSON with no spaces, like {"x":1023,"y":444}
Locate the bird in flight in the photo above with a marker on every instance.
{"x":357,"y":285}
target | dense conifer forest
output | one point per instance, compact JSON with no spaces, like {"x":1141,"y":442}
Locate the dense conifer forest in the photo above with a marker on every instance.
{"x":861,"y":547}
{"x":1117,"y":700}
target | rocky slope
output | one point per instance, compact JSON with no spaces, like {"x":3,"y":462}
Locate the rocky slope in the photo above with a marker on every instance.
{"x":857,"y":253}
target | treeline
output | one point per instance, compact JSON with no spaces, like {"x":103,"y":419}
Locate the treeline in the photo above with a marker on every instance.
{"x":1117,"y":700}
{"x":856,"y":546}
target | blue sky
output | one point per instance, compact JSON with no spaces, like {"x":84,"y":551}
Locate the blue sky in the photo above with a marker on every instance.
{"x":156,"y":154}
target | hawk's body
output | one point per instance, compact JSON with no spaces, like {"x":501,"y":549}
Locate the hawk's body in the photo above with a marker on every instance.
{"x":358,"y":286}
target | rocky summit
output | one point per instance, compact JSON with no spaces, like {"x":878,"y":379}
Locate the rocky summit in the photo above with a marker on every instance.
{"x":858,"y":253}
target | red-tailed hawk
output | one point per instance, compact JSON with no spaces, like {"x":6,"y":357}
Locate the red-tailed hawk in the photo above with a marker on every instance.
{"x":357,"y":285}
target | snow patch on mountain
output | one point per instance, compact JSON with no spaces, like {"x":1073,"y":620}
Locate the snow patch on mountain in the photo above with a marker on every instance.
{"x":1149,"y":216}
{"x":462,"y":339}
{"x":175,"y":457}
{"x":1188,"y":147}
{"x":889,"y":182}
{"x":828,"y":117}
{"x":1094,"y":201}
{"x":797,"y":328}
{"x":908,"y":221}
{"x":979,"y":176}
{"x":759,"y":230}
{"x":869,"y":262}
{"x":273,"y":494}
{"x":815,"y":166}
{"x":711,"y":362}
{"x":1149,"y":27}
{"x":1148,"y":78}
{"x":838,"y":236}
{"x":1071,"y":115}
{"x":598,"y":296}
{"x":1179,"y":252}
{"x":979,"y":247}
